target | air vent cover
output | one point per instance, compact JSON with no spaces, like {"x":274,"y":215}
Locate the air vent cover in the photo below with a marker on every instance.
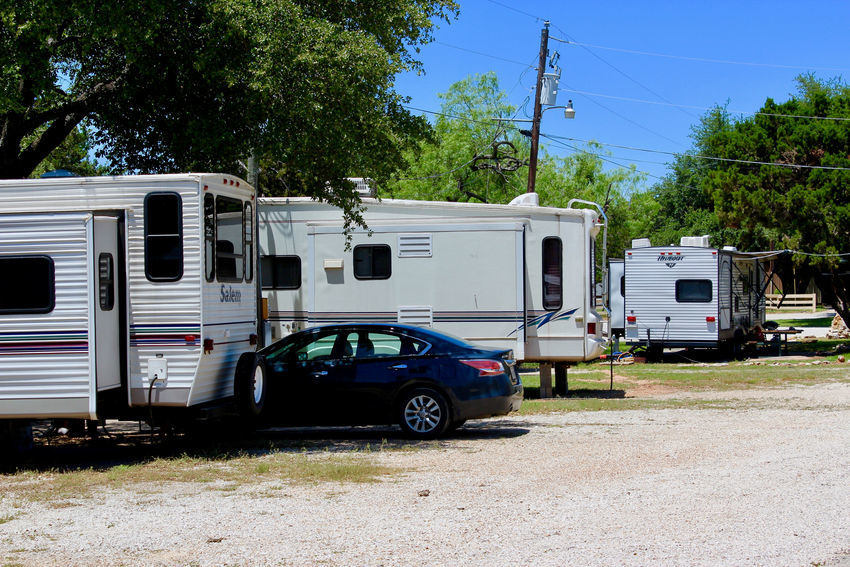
{"x":422,"y":315}
{"x":415,"y":245}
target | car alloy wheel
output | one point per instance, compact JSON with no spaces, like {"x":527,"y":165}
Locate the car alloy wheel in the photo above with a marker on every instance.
{"x":424,"y":413}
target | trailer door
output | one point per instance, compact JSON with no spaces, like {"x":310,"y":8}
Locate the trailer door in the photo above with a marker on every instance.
{"x":108,"y":302}
{"x":724,"y":291}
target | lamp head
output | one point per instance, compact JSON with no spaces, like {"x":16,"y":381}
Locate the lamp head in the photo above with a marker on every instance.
{"x":569,"y":112}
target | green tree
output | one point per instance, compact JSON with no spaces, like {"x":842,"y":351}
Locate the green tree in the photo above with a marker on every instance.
{"x":470,"y":156}
{"x":582,"y":175}
{"x":306,"y":85}
{"x":685,"y":206}
{"x":799,"y":199}
{"x":74,"y":155}
{"x":475,"y":158}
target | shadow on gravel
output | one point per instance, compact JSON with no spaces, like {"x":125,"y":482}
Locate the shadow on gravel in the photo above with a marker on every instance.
{"x":122,"y":443}
{"x":533,"y":393}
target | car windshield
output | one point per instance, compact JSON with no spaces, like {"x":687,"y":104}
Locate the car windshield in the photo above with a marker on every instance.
{"x":281,"y":348}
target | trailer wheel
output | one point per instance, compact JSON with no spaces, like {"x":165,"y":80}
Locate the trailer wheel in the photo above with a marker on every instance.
{"x":423,"y":413}
{"x":251,"y":385}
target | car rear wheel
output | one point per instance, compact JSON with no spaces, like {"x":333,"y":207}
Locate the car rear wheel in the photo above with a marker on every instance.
{"x":424,"y":413}
{"x":251,"y":385}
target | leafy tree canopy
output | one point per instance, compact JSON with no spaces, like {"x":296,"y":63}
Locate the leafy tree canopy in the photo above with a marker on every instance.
{"x":473,"y":157}
{"x":171,"y":85}
{"x":799,"y":199}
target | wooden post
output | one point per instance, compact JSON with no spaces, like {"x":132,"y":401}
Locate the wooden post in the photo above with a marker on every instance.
{"x":545,"y":380}
{"x":561,"y":384}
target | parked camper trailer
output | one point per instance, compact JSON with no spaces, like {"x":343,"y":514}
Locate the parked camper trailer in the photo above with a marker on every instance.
{"x":691,"y":295}
{"x":616,"y":289}
{"x":516,"y":276}
{"x":123,"y":292}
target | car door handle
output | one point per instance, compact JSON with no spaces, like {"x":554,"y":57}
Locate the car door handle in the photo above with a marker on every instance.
{"x":399,"y":367}
{"x":320,"y":373}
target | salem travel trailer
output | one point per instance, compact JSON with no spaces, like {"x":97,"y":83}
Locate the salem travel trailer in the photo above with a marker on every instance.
{"x":515,"y":276}
{"x":691,"y":295}
{"x":123,"y":292}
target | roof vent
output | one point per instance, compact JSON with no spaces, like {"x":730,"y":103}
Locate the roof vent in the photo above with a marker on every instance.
{"x":526,"y":200}
{"x":696,"y":241}
{"x":364,"y":186}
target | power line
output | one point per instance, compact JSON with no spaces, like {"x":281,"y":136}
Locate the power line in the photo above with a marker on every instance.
{"x":706,"y":60}
{"x":714,"y":158}
{"x":600,"y":156}
{"x":518,"y":11}
{"x":623,"y":73}
{"x":628,"y":99}
{"x":481,"y":53}
{"x":627,"y":119}
{"x":470,"y":120}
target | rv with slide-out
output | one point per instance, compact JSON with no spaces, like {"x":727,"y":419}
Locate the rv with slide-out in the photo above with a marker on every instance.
{"x":517,"y":276}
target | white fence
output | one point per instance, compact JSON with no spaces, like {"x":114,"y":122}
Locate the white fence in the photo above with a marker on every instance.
{"x":792,"y":301}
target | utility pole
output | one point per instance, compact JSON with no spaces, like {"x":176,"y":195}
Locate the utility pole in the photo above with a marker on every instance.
{"x":538,"y":110}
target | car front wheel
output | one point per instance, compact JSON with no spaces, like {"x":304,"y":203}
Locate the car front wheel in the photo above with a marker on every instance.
{"x":424,"y":413}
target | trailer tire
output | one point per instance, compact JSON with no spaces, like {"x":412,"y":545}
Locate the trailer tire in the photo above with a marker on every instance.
{"x":251,"y":385}
{"x":423,"y":413}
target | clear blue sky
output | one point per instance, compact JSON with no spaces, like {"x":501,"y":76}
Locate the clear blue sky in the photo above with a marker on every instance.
{"x":609,"y":60}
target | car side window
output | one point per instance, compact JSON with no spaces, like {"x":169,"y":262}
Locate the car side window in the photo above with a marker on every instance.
{"x":319,"y":348}
{"x":376,"y":344}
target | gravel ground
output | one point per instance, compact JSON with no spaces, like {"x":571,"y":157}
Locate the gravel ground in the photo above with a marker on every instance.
{"x":765,"y":483}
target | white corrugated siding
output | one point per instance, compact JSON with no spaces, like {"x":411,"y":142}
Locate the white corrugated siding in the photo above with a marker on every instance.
{"x":46,"y":356}
{"x":651,"y":293}
{"x":161,"y":314}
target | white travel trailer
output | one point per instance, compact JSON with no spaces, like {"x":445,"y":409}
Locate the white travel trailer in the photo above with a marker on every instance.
{"x":616,"y":289}
{"x":691,"y":295}
{"x":123,"y":292}
{"x":515,"y":276}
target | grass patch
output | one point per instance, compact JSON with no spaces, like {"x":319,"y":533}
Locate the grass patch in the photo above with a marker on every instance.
{"x":594,"y":378}
{"x":815,"y":322}
{"x":63,"y":488}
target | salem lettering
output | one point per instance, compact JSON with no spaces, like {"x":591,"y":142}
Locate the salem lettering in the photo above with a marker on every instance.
{"x":230,"y":295}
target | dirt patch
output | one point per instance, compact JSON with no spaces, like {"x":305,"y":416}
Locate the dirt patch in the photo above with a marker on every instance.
{"x":643,"y":388}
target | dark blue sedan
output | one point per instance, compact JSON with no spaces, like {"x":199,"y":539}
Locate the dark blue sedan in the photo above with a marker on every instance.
{"x":357,"y":374}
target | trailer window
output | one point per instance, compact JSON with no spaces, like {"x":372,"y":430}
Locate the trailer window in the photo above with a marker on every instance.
{"x":28,"y":284}
{"x":372,"y":262}
{"x":229,"y":243}
{"x":552,"y":273}
{"x":693,"y":291}
{"x":209,"y":237}
{"x":163,"y":237}
{"x":280,"y":272}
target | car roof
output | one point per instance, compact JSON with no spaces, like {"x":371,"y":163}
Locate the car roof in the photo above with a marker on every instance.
{"x":411,"y":329}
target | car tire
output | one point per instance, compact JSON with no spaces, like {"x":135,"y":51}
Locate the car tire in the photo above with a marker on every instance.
{"x":250,"y":386}
{"x":423,"y":413}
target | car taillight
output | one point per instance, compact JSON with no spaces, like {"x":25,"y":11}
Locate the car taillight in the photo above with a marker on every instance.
{"x":486,"y":367}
